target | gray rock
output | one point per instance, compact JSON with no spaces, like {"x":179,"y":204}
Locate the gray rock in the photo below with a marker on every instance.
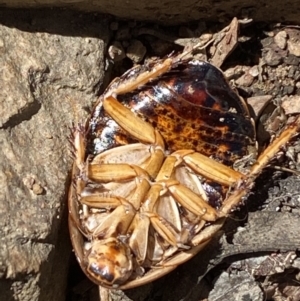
{"x":240,"y":286}
{"x":46,"y":79}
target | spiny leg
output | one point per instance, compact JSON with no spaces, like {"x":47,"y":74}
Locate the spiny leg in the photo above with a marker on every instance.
{"x":151,"y":73}
{"x":190,"y":200}
{"x":208,"y":168}
{"x":145,"y":77}
{"x":165,"y":185}
{"x":103,"y":173}
{"x":139,"y":129}
{"x":78,"y":145}
{"x":264,"y":159}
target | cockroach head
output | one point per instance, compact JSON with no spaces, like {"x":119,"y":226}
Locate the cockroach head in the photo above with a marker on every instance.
{"x":109,"y":261}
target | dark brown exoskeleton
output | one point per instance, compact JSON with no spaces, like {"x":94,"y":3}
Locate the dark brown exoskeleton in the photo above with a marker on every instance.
{"x":153,"y":168}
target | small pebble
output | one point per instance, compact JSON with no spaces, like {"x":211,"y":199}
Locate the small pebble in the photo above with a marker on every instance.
{"x":288,"y":90}
{"x":245,"y":80}
{"x":116,"y":51}
{"x":272,"y":58}
{"x":254,"y":71}
{"x":37,"y":189}
{"x":136,"y":51}
{"x":281,"y":39}
{"x":292,"y":60}
{"x":291,"y":105}
{"x":294,"y":47}
{"x":293,"y":41}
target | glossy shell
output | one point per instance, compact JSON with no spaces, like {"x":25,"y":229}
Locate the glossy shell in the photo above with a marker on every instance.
{"x":185,"y":112}
{"x":192,"y":106}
